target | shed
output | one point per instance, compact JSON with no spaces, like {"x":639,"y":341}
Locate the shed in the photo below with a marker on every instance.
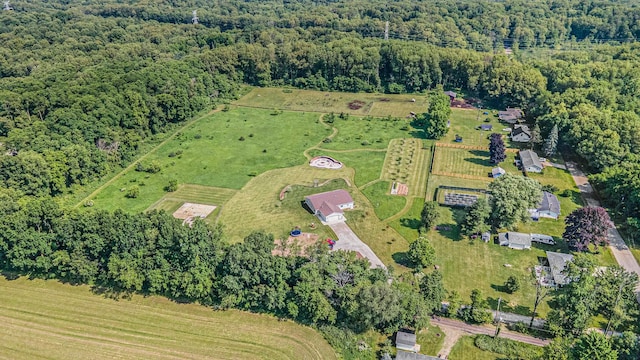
{"x":406,"y":341}
{"x":452,"y":95}
{"x":515,"y":240}
{"x":497,"y":172}
{"x":510,"y":115}
{"x":329,"y":206}
{"x":486,"y":127}
{"x":486,"y":236}
{"x":557,"y":264}
{"x":530,"y":161}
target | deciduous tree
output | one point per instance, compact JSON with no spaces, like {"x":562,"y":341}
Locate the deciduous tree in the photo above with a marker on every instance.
{"x":437,"y":115}
{"x":511,"y":198}
{"x":587,"y":226}
{"x":594,"y":345}
{"x":429,"y":215}
{"x":476,"y":220}
{"x":421,"y":252}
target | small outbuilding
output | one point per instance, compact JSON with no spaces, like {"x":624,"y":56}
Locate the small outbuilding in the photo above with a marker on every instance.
{"x":497,"y":172}
{"x":407,"y":341}
{"x":329,"y":206}
{"x":530,"y":161}
{"x":486,"y":236}
{"x":511,"y":115}
{"x":515,"y":240}
{"x":486,"y":127}
{"x":452,"y":95}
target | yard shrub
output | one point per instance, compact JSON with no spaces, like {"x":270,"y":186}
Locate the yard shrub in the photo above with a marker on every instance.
{"x":512,"y":284}
{"x":512,"y":349}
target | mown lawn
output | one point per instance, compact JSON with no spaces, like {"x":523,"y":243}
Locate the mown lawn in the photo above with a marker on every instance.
{"x":384,"y":204}
{"x":367,"y":133}
{"x":51,"y":320}
{"x":469,"y":162}
{"x":430,"y":340}
{"x":464,"y":123}
{"x":367,"y":164}
{"x":436,"y":180}
{"x":379,"y":105}
{"x":211,"y":153}
{"x":465,"y":349}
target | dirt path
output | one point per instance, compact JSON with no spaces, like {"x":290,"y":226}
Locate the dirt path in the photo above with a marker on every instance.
{"x":454,"y":329}
{"x":133,"y":163}
{"x":618,"y":247}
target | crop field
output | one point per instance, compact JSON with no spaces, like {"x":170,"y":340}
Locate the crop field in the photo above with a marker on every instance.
{"x":378,"y":105}
{"x":223,"y":150}
{"x":50,"y":320}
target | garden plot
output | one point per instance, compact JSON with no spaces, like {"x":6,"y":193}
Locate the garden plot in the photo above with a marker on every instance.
{"x":405,"y":163}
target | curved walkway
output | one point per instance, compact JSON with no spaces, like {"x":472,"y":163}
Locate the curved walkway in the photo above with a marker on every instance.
{"x":618,"y":247}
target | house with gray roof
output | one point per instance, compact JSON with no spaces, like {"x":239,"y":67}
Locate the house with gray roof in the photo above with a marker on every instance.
{"x":511,"y":115}
{"x":329,"y":206}
{"x":515,"y":240}
{"x":404,"y":355}
{"x":558,"y":263}
{"x":549,"y":207}
{"x":530,"y":161}
{"x":521,"y":133}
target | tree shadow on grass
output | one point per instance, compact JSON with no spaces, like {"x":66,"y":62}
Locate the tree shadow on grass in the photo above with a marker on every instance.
{"x":110,"y":293}
{"x":410,"y":223}
{"x":482,"y":153}
{"x":499,"y":288}
{"x":402,"y":258}
{"x":483,"y":162}
{"x":8,"y":275}
{"x":504,"y":307}
{"x":449,"y":231}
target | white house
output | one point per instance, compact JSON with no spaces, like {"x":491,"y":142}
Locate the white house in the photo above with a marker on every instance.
{"x":549,"y":207}
{"x":329,"y":206}
{"x":515,"y":240}
{"x":530,"y":161}
{"x":521,"y":133}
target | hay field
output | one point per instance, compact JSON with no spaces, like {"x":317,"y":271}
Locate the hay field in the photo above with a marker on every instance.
{"x":378,"y":105}
{"x":49,"y":320}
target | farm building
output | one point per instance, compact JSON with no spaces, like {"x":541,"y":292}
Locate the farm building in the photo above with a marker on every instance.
{"x":530,"y":161}
{"x":497,"y":172}
{"x":407,"y":341}
{"x":511,"y":115}
{"x":557,"y":264}
{"x":515,"y":240}
{"x":459,"y":199}
{"x":486,"y":127}
{"x":329,"y":206}
{"x":521,"y":133}
{"x":549,"y":207}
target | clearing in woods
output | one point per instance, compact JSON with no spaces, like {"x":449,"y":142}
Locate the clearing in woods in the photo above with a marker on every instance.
{"x":48,"y":319}
{"x":208,"y":195}
{"x":320,"y":101}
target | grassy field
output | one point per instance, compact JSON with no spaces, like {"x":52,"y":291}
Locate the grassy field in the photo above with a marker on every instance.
{"x":368,"y":133}
{"x":320,"y":101}
{"x":468,"y":162}
{"x":430,"y":340}
{"x":465,"y":349}
{"x":200,"y":194}
{"x":213,"y":155}
{"x":437,"y":180}
{"x":50,"y":320}
{"x":367,"y":164}
{"x":385,"y":205}
{"x":464,"y":123}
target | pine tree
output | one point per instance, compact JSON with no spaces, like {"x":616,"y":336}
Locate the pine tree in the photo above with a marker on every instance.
{"x":551,"y":143}
{"x":536,"y":136}
{"x":496,"y":149}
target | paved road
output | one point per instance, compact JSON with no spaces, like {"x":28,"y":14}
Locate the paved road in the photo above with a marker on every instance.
{"x":348,"y":240}
{"x":456,"y":325}
{"x":619,"y":248}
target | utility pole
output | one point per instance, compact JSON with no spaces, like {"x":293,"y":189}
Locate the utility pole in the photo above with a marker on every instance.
{"x":498,"y":318}
{"x":386,"y":30}
{"x":194,"y":19}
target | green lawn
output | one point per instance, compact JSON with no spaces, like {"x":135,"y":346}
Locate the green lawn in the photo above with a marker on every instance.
{"x":469,"y":162}
{"x":51,"y":320}
{"x":430,"y":340}
{"x":367,"y":164}
{"x":436,"y":180}
{"x":385,"y":205}
{"x":464,"y":123}
{"x":368,"y":133}
{"x":465,"y":349}
{"x":213,"y":155}
{"x":379,"y":105}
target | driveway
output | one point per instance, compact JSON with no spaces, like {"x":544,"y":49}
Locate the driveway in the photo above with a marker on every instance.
{"x":348,"y":240}
{"x":618,"y":247}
